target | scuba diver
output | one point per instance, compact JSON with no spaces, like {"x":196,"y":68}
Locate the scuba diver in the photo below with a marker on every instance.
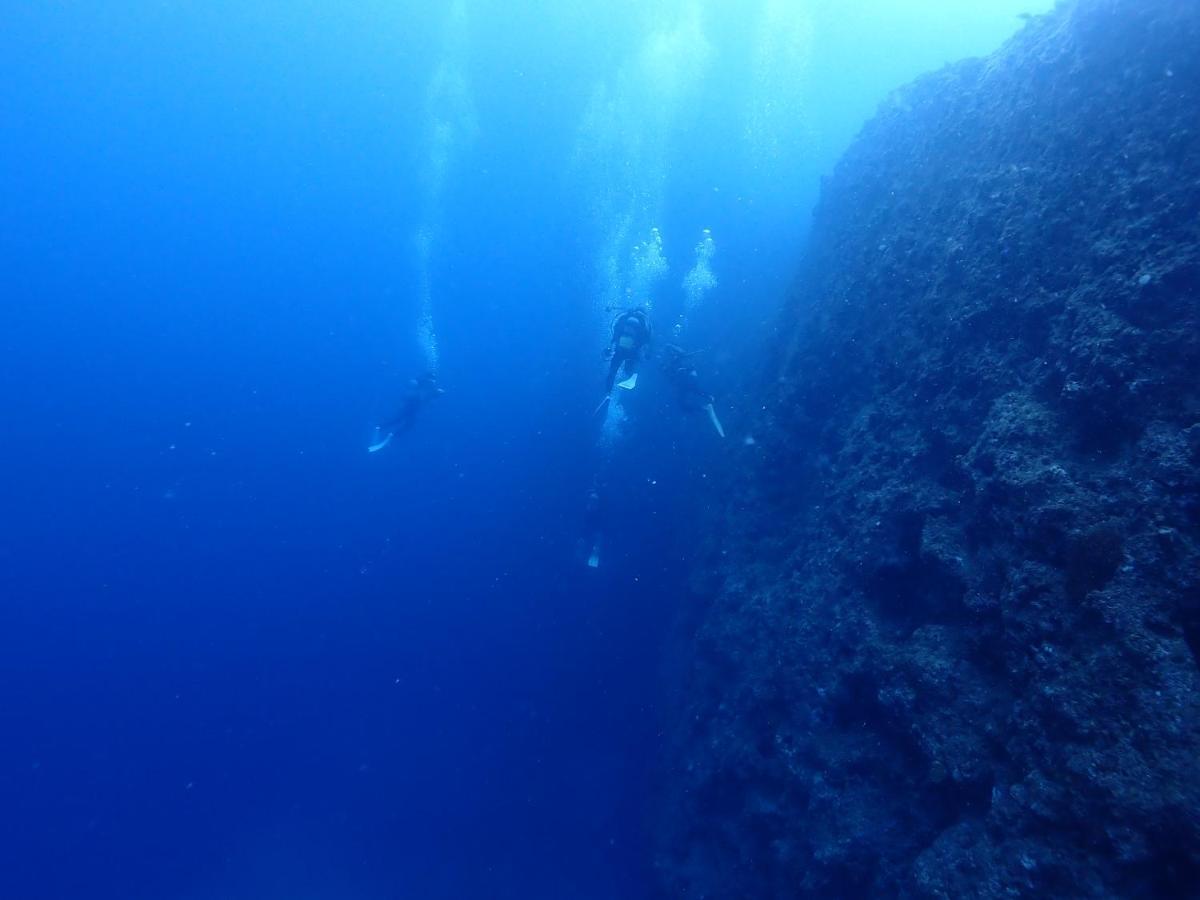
{"x":419,"y":392}
{"x":677,"y":365}
{"x":631,"y":335}
{"x":593,"y":524}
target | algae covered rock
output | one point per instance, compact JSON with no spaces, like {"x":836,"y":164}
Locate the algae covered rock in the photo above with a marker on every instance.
{"x":968,"y":666}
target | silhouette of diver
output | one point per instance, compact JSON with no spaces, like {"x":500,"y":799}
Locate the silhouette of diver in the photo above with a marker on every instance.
{"x":593,"y":524}
{"x":419,"y":391}
{"x":631,"y":334}
{"x":691,"y":396}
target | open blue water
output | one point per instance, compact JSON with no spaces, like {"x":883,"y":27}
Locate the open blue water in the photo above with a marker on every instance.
{"x":240,"y":657}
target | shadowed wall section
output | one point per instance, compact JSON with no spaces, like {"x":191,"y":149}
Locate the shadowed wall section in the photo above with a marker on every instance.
{"x":951,"y":644}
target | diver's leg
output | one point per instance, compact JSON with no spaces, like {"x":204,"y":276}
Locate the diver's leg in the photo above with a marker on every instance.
{"x":630,"y":373}
{"x":613,"y":368}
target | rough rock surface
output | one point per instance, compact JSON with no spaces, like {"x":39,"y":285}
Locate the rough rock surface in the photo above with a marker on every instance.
{"x":951,"y":646}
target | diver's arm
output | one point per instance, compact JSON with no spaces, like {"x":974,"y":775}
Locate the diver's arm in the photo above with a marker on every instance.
{"x":610,"y":349}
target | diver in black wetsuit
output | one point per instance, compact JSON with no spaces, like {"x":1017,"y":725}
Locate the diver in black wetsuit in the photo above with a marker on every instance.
{"x":691,"y":396}
{"x":631,"y":335}
{"x":593,"y":524}
{"x":420,"y":391}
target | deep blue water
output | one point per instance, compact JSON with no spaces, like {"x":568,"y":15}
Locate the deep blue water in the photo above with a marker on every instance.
{"x":239,"y":656}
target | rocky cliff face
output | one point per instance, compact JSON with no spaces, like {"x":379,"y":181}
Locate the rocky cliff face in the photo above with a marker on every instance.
{"x":952,"y":646}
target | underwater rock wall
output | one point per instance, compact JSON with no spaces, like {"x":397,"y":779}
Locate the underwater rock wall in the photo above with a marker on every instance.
{"x":951,"y":646}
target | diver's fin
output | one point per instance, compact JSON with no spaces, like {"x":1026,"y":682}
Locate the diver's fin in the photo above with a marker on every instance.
{"x":712,"y":414}
{"x":594,"y":559}
{"x":379,"y":441}
{"x":629,"y":383}
{"x":603,"y":404}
